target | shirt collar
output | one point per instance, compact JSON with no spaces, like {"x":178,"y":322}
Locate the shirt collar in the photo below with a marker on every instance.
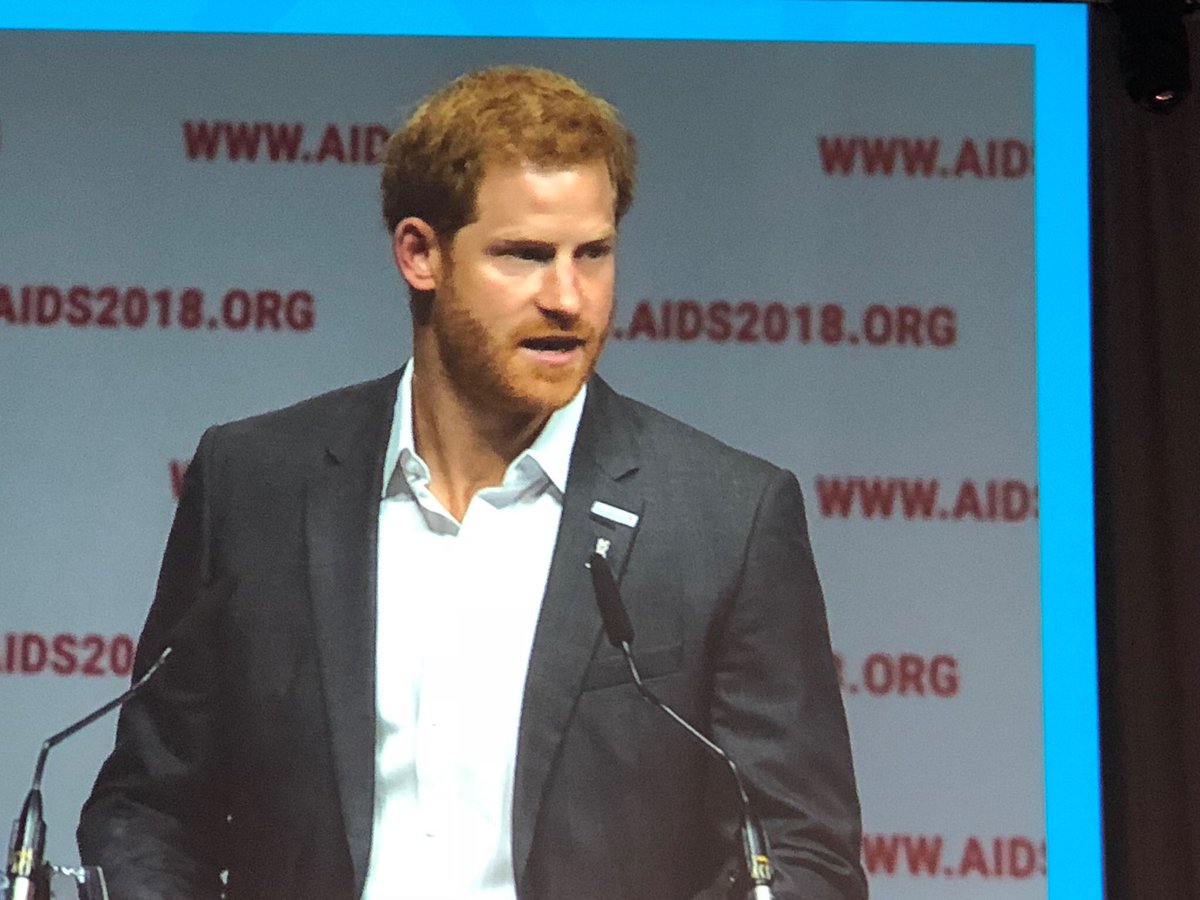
{"x":550,"y":450}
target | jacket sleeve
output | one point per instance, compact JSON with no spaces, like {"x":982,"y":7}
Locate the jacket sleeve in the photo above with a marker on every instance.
{"x":777,"y":708}
{"x":156,"y":817}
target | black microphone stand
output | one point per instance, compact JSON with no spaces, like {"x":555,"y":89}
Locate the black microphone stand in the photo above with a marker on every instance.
{"x":619,"y":630}
{"x":27,"y":872}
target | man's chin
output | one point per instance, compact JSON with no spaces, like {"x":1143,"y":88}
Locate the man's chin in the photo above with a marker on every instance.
{"x":545,"y":396}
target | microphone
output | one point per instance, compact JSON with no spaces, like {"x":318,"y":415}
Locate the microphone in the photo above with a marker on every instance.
{"x":619,"y":631}
{"x":25,"y":869}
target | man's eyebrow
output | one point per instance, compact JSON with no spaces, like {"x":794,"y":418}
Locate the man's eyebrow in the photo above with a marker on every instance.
{"x":604,"y":244}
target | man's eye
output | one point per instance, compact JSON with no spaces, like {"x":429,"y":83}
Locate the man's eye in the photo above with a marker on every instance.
{"x":530,"y":254}
{"x":596,"y":251}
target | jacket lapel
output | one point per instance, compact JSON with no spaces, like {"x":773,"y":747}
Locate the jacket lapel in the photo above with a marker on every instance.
{"x":604,"y":466}
{"x":341,"y":534}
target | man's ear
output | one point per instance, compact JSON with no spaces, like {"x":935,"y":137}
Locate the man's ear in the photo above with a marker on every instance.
{"x":417,"y":253}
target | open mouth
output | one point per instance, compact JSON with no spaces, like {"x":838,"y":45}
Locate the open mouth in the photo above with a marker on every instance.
{"x":552,"y":343}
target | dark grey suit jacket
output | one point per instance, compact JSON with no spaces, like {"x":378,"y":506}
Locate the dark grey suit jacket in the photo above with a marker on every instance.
{"x":254,"y":752}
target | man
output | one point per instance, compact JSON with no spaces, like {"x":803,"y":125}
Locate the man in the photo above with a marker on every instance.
{"x":407,"y":693}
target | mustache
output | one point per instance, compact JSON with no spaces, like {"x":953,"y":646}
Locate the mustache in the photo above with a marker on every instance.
{"x":553,"y":325}
{"x":580,"y":333}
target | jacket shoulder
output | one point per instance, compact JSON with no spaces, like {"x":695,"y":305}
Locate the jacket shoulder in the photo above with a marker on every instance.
{"x":666,"y":438}
{"x":347,"y":422}
{"x":332,"y":409}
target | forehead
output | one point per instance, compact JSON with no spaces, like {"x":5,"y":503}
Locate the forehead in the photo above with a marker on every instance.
{"x":522,"y":189}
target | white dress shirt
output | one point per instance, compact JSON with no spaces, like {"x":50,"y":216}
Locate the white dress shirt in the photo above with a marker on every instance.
{"x":457,"y":606}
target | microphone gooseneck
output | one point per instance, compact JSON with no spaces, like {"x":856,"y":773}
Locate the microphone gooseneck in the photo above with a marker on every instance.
{"x":25,"y":866}
{"x":27,"y":845}
{"x":619,"y":631}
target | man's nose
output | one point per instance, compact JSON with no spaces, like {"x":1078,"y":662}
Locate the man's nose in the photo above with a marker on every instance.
{"x":563,"y":293}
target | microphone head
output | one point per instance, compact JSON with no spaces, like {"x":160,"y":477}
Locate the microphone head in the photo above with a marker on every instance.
{"x":617,"y":627}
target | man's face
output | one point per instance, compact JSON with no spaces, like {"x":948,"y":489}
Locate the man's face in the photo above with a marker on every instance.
{"x":525,"y":298}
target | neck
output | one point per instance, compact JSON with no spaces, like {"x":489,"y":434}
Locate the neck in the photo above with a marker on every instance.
{"x":467,"y":448}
